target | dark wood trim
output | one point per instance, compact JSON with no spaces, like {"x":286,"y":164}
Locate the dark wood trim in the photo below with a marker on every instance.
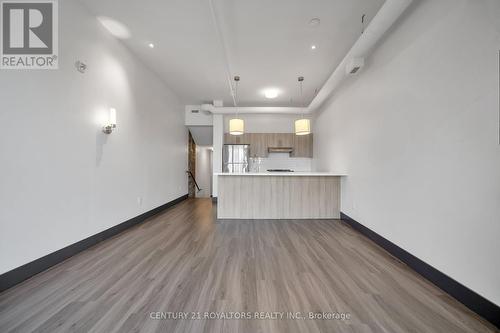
{"x":464,"y":295}
{"x":18,"y":275}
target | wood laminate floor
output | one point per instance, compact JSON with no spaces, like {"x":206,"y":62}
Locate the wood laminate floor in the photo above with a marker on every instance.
{"x":184,"y":260}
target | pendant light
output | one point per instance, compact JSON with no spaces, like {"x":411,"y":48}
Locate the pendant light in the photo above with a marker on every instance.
{"x":236,"y":125}
{"x":302,"y":126}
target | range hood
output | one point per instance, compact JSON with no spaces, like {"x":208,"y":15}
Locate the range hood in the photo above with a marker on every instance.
{"x":280,"y":149}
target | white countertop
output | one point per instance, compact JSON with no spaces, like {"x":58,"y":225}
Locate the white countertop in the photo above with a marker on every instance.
{"x":296,"y":174}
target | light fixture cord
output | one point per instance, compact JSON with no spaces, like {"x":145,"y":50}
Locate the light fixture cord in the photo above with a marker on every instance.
{"x":302,"y":98}
{"x":301,"y":80}
{"x":236,"y":96}
{"x":237,"y":81}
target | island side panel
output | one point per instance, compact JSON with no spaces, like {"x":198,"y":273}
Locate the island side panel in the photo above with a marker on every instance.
{"x":278,"y":197}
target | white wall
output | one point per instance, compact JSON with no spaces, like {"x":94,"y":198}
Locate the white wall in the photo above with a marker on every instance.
{"x":417,"y":133}
{"x":61,"y":178}
{"x":204,"y":171}
{"x":284,"y":161}
{"x":201,"y":118}
{"x":218,"y":122}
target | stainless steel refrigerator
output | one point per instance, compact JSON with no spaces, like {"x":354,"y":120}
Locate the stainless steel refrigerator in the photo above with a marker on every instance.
{"x":235,"y":158}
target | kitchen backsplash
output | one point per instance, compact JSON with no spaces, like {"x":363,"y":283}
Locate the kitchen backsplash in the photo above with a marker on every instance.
{"x":281,"y":161}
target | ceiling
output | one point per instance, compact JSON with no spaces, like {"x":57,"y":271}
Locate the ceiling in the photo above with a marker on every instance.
{"x":202,"y":135}
{"x":268,"y":43}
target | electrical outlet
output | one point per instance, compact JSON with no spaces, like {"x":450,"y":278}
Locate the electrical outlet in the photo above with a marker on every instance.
{"x":139,"y":201}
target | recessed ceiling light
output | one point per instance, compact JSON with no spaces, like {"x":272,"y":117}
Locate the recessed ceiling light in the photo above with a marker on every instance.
{"x":313,"y":47}
{"x":151,"y":45}
{"x":314,"y":22}
{"x":271,"y":93}
{"x":117,"y":29}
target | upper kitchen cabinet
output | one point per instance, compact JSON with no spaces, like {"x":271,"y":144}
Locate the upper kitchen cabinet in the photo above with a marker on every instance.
{"x":302,"y":146}
{"x":258,"y":144}
{"x":237,"y":139}
{"x":280,"y":140}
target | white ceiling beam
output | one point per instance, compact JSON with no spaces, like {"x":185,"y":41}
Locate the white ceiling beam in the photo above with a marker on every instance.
{"x":260,"y":109}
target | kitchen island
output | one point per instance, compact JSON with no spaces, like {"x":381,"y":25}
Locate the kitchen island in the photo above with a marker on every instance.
{"x":278,"y":195}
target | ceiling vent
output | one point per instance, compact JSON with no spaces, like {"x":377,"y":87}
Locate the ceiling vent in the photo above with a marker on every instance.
{"x":354,"y":65}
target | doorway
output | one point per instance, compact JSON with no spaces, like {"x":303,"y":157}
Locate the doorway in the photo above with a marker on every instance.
{"x":204,"y":171}
{"x":192,"y":185}
{"x":199,"y":169}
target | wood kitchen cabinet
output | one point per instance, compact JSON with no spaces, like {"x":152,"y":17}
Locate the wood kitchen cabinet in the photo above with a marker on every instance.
{"x":280,"y":140}
{"x":237,"y":139}
{"x":259,"y":143}
{"x":302,"y":146}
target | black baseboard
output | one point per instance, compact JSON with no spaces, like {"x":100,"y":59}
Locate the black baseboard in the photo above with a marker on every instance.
{"x":24,"y":272}
{"x":464,"y":295}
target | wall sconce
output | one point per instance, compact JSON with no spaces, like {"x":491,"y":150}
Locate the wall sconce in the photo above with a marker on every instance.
{"x":111,"y":125}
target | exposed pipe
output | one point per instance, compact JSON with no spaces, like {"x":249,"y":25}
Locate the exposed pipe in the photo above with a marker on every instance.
{"x":391,"y":10}
{"x":222,"y":44}
{"x":250,"y":109}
